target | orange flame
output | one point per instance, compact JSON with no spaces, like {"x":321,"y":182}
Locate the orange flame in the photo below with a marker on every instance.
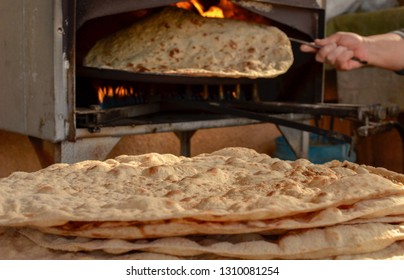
{"x":213,"y":11}
{"x":224,"y":9}
{"x":184,"y":5}
{"x":114,"y":92}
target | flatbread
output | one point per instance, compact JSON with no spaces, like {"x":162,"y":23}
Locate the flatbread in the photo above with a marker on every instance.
{"x":177,"y":41}
{"x":375,"y":210}
{"x":305,"y":244}
{"x":393,"y":252}
{"x":230,"y":204}
{"x":15,"y":246}
{"x":384,"y":219}
{"x":233,"y":184}
{"x":362,"y":242}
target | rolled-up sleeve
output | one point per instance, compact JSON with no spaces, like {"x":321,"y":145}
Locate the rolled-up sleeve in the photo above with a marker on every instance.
{"x":401,"y":33}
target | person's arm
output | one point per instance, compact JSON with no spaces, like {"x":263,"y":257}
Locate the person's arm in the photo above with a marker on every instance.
{"x":401,"y":34}
{"x":384,"y":50}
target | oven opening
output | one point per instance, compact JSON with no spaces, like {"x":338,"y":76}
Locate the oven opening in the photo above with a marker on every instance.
{"x":108,"y":97}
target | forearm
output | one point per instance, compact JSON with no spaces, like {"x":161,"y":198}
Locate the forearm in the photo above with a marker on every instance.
{"x":385,"y":51}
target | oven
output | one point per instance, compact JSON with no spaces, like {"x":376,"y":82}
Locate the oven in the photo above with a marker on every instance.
{"x":49,"y":95}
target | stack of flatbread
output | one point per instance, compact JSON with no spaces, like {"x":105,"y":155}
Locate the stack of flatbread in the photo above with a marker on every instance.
{"x":230,"y":204}
{"x":177,"y":41}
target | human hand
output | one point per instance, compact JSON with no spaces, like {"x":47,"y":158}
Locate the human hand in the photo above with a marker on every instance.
{"x":343,"y":50}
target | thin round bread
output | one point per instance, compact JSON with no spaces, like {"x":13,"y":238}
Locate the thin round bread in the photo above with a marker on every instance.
{"x":393,"y":252}
{"x":304,"y":244}
{"x":385,"y":219}
{"x":15,"y":246}
{"x":181,"y":227}
{"x":177,"y":41}
{"x":233,"y":184}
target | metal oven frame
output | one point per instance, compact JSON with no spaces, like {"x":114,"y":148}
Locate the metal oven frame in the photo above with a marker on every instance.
{"x":38,"y":72}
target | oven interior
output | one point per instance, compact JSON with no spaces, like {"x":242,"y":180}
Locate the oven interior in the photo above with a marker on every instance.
{"x":142,"y":98}
{"x":291,"y":101}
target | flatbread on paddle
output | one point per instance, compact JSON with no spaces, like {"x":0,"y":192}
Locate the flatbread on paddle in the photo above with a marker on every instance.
{"x":177,"y":41}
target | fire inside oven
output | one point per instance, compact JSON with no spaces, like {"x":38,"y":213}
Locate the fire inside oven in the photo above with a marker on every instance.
{"x":111,"y":98}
